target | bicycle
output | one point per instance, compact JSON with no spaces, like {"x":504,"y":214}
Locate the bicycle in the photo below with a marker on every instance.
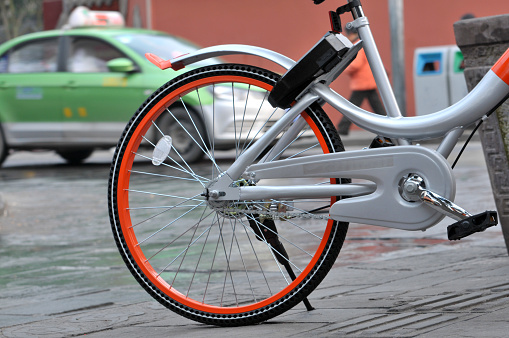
{"x":239,"y":243}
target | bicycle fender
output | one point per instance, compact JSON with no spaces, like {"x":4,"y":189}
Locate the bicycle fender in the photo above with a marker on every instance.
{"x":221,"y":50}
{"x":383,"y":166}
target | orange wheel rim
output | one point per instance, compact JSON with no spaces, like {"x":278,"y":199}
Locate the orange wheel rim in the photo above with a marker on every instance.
{"x":125,"y":220}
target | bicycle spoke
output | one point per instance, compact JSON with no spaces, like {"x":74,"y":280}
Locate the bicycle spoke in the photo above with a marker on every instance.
{"x":167,"y":225}
{"x":212,"y":265}
{"x":174,"y":149}
{"x":244,"y":115}
{"x":206,"y":151}
{"x":303,"y":151}
{"x":199,"y":259}
{"x":265,"y":228}
{"x":165,"y":176}
{"x":244,"y":147}
{"x":257,"y":259}
{"x":213,"y":128}
{"x":228,"y":268}
{"x":192,"y":138}
{"x":261,"y":128}
{"x":183,"y":251}
{"x":165,"y":195}
{"x":168,"y":209}
{"x":191,"y":241}
{"x":190,"y":173}
{"x":235,"y":123}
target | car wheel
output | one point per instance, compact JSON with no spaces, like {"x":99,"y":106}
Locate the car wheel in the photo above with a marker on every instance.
{"x":187,"y":134}
{"x":75,"y":156}
{"x":4,"y":150}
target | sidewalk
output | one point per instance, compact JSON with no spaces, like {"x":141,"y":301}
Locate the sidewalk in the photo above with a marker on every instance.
{"x":386,"y":282}
{"x":446,"y":291}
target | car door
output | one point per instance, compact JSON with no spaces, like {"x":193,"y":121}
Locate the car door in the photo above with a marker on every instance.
{"x":30,"y":93}
{"x":97,"y":102}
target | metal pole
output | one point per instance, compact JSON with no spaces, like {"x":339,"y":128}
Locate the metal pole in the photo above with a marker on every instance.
{"x":398,"y":52}
{"x":148,"y":14}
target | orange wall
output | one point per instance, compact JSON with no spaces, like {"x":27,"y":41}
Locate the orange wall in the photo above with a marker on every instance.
{"x":291,"y":27}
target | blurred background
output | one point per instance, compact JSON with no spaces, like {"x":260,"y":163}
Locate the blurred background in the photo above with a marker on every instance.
{"x":287,"y":26}
{"x":292,"y":27}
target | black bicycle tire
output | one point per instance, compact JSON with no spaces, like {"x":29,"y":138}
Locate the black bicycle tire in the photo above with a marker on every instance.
{"x":310,"y":282}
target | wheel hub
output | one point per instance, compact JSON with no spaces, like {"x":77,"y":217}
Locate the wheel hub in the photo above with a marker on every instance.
{"x":227,"y":208}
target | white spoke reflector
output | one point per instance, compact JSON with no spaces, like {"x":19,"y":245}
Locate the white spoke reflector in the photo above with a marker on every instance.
{"x":162,"y":150}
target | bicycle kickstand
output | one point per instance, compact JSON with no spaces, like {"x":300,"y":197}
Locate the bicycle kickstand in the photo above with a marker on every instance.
{"x":266,"y":231}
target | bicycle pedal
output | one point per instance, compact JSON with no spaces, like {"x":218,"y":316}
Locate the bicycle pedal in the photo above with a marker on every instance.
{"x":472,"y":224}
{"x":381,"y":142}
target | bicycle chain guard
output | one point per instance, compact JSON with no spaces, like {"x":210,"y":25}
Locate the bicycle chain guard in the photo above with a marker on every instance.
{"x":383,"y":166}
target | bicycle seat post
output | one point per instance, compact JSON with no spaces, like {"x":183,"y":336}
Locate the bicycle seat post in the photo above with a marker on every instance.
{"x":375,"y":61}
{"x":357,"y":11}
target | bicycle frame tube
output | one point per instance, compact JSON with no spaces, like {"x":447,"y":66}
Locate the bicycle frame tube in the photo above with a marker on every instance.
{"x":501,"y":67}
{"x":238,"y":167}
{"x":377,"y":67}
{"x":286,"y":140}
{"x":465,"y":112}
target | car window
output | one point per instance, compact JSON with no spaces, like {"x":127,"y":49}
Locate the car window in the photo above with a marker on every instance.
{"x":38,"y":56}
{"x":91,"y":55}
{"x":165,"y":46}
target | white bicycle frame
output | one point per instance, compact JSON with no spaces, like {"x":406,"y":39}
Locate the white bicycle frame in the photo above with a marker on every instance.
{"x":379,"y":201}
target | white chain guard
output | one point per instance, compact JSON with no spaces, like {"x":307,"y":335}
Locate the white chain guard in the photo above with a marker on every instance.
{"x":383,"y":166}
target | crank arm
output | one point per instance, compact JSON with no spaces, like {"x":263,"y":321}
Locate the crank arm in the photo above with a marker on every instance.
{"x":414,"y":189}
{"x":444,"y":206}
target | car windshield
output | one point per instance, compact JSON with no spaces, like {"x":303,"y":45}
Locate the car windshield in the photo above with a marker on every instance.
{"x":164,"y":46}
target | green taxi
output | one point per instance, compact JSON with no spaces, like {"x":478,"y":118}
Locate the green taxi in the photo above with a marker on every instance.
{"x":73,"y":90}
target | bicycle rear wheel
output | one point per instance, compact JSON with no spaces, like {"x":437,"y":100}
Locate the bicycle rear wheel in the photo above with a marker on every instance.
{"x":224,"y":266}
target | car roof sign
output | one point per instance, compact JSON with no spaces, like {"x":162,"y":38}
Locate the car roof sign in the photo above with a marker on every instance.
{"x":81,"y":16}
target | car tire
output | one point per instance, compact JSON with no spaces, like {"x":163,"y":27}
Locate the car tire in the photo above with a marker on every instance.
{"x":4,"y":150}
{"x":75,"y":156}
{"x":188,"y":148}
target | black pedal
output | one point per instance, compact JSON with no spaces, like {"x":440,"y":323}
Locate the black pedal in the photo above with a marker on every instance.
{"x":472,"y":224}
{"x":381,"y":142}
